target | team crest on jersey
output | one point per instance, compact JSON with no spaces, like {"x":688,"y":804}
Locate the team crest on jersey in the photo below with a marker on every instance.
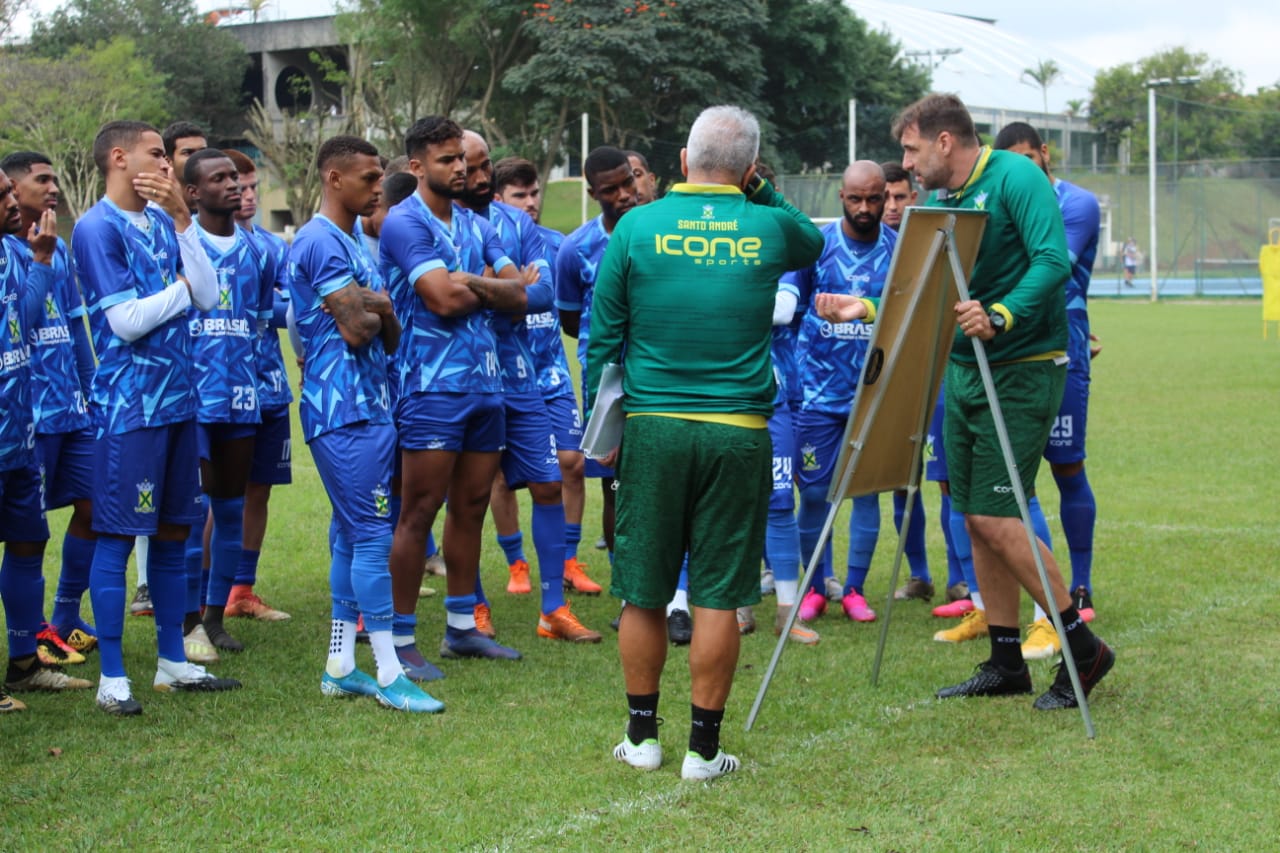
{"x":50,"y":308}
{"x":382,"y":502}
{"x":708,"y":211}
{"x":146,"y":497}
{"x":928,"y":450}
{"x":224,"y":295}
{"x":809,"y":458}
{"x":980,"y":201}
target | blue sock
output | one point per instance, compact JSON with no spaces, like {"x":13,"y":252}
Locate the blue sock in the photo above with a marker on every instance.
{"x":513,"y":546}
{"x":864,"y":530}
{"x":106,"y":593}
{"x":479,"y":594}
{"x":809,"y":521}
{"x":572,"y":536}
{"x":22,"y":591}
{"x":224,"y":548}
{"x":341,"y":594}
{"x":462,"y":605}
{"x":431,"y":544}
{"x":371,"y":581}
{"x":964,"y":550}
{"x":247,"y":568}
{"x":77,"y":557}
{"x":917,"y":558}
{"x":782,"y":545}
{"x":682,"y":582}
{"x":1038,"y":523}
{"x":954,"y":573}
{"x":548,"y":541}
{"x":404,"y":624}
{"x":167,"y":578}
{"x":1079,"y":510}
{"x":193,"y":556}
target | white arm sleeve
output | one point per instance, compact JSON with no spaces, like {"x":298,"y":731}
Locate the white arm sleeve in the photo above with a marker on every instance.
{"x":784,"y":307}
{"x":199,"y":271}
{"x":295,"y":339}
{"x":132,"y":319}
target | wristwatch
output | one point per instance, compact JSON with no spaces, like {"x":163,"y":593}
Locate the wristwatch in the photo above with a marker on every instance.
{"x":998,"y":323}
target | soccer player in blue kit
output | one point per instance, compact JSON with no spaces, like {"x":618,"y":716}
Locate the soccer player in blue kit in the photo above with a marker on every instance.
{"x":225,"y":345}
{"x":141,"y":267}
{"x":26,"y":276}
{"x":449,"y":410}
{"x":62,"y":367}
{"x":347,"y":326}
{"x":529,"y":457}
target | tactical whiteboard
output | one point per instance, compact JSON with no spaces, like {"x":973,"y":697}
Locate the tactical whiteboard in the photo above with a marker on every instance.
{"x":908,"y":351}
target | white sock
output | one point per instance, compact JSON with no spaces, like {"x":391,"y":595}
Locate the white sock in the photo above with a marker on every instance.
{"x":342,"y":649}
{"x":786,"y":591}
{"x":460,"y":621}
{"x":176,"y":669}
{"x":401,"y":642}
{"x":116,"y":687}
{"x":142,"y":554}
{"x":1040,"y":614}
{"x":680,"y":601}
{"x":384,"y":655}
{"x":977,"y":599}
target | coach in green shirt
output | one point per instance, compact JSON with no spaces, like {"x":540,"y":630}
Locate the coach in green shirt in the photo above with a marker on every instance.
{"x":684,"y":301}
{"x":1017,"y":307}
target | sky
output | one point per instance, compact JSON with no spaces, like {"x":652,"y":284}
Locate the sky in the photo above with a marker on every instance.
{"x":1243,"y":36}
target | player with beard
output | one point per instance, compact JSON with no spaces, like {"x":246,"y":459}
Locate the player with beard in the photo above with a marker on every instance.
{"x":529,"y":457}
{"x":449,"y":410}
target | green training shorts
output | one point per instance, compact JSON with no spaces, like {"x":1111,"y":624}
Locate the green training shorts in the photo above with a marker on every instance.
{"x":691,"y":485}
{"x":1029,"y":393}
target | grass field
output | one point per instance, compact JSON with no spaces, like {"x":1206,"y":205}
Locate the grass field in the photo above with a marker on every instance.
{"x":1183,"y":458}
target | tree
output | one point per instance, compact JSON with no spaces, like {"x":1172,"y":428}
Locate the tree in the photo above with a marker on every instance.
{"x":288,"y":147}
{"x":817,"y":55}
{"x":202,"y":66}
{"x":9,"y":11}
{"x":1118,"y":105}
{"x":62,"y":102}
{"x":1044,"y":74}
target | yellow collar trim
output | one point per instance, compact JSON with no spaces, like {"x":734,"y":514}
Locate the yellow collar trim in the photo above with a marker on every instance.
{"x":978,"y":168}
{"x":706,"y":188}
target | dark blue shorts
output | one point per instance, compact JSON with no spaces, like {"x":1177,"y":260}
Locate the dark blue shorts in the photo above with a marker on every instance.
{"x":818,"y":436}
{"x":782,"y":435}
{"x":1066,"y":439}
{"x":935,"y":448}
{"x":530,"y":454}
{"x":22,"y":505}
{"x":273,"y":449}
{"x":566,"y":421}
{"x":354,"y":462}
{"x":67,"y":458}
{"x":147,"y":477}
{"x":455,"y":422}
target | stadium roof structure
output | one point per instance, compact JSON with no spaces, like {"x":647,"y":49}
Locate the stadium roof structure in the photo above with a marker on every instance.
{"x":975,"y":59}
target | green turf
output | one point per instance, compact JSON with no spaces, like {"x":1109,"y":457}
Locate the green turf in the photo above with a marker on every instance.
{"x":1183,"y":434}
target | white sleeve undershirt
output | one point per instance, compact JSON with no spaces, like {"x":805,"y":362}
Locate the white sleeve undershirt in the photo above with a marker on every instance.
{"x":784,"y":307}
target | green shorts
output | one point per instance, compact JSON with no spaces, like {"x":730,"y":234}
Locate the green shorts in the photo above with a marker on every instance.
{"x":695,"y":486}
{"x":1029,"y":393}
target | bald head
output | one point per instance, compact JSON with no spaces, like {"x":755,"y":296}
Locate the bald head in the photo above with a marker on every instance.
{"x":479,"y":191}
{"x":862,"y":197}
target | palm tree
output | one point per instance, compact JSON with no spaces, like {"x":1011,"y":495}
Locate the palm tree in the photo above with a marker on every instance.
{"x":1045,"y":73}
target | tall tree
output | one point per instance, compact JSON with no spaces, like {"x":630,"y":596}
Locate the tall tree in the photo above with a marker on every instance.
{"x":288,"y":147}
{"x":62,"y":102}
{"x":200,"y":67}
{"x":1043,"y":74}
{"x":9,"y":11}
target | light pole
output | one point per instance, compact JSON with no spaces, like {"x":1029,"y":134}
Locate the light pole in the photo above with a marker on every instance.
{"x":1152,"y":85}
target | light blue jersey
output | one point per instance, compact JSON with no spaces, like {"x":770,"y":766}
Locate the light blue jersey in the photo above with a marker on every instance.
{"x":225,"y":338}
{"x":440,"y":354}
{"x":273,"y":382}
{"x":23,"y":288}
{"x":521,"y":242}
{"x":576,"y":266}
{"x":147,"y":382}
{"x":341,"y":385}
{"x":61,"y":388}
{"x":1081,"y":217}
{"x":830,"y":355}
{"x":554,"y":379}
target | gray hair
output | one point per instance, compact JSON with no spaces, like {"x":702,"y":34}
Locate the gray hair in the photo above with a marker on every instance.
{"x":723,"y":139}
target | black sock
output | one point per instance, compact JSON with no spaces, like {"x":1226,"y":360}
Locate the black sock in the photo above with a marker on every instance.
{"x":212,"y":619}
{"x":190,"y":622}
{"x":21,"y":665}
{"x":643,"y":724}
{"x":704,"y":734}
{"x":1006,"y":648}
{"x":1083,"y":643}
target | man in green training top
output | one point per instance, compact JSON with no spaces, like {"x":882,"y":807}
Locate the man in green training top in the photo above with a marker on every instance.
{"x":686,"y":289}
{"x":1016,"y":308}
